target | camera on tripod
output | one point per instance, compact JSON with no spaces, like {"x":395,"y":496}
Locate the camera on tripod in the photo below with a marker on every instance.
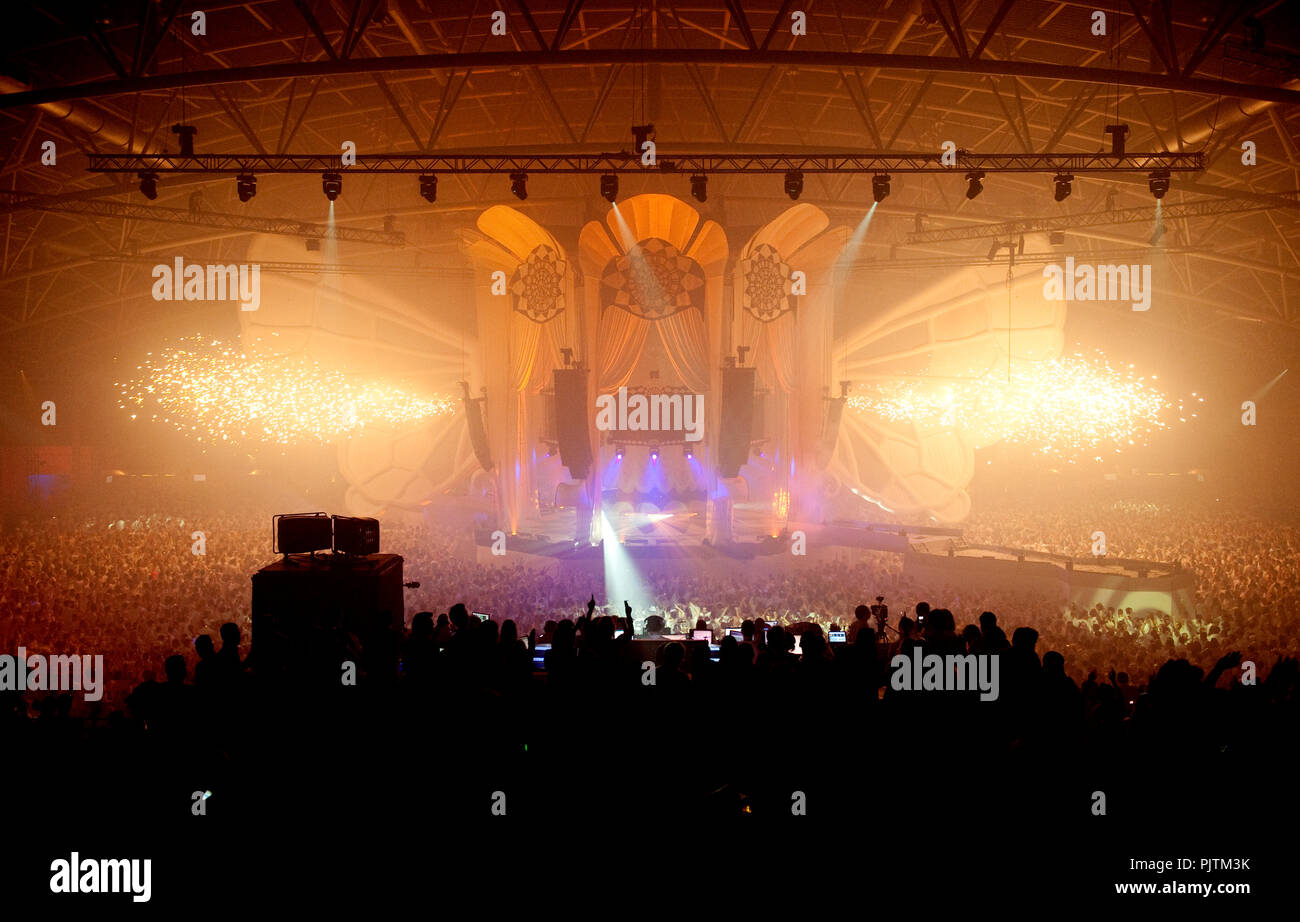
{"x":880,"y":612}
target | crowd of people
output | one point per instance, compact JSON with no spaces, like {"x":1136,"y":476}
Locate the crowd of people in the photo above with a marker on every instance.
{"x":138,"y":586}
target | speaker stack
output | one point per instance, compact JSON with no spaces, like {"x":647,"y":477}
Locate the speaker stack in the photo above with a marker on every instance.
{"x":572,"y":430}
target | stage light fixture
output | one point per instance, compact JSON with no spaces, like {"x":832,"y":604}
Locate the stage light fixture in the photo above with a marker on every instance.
{"x":519,"y":185}
{"x":246,"y":186}
{"x":332,"y":185}
{"x":618,"y":455}
{"x":700,"y":187}
{"x":975,"y":178}
{"x":429,"y":187}
{"x":880,"y":187}
{"x":609,"y":187}
{"x":690,"y":453}
{"x":794,"y":184}
{"x":654,"y":454}
{"x":148,"y":184}
{"x":1159,"y":183}
{"x":1063,"y":188}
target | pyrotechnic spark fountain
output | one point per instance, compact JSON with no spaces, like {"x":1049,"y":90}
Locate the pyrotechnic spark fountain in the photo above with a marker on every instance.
{"x":217,"y":394}
{"x":1062,"y":407}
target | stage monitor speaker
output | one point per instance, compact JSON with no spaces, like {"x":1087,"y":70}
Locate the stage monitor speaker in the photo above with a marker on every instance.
{"x":356,"y":536}
{"x":737,"y":420}
{"x":570,"y":496}
{"x":302,"y":533}
{"x":572,"y":421}
{"x":478,"y":439}
{"x":833,"y":410}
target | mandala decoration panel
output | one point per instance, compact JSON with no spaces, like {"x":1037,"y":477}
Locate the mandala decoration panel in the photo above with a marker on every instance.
{"x":766,"y":284}
{"x":537,"y":286}
{"x":652,"y":281}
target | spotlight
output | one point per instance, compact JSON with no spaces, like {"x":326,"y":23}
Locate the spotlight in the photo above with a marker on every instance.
{"x":618,"y":455}
{"x":429,"y":187}
{"x":976,"y":180}
{"x":148,"y":184}
{"x":1159,"y":183}
{"x":609,"y":187}
{"x":519,"y":185}
{"x":246,"y":186}
{"x":331,"y":184}
{"x":690,"y":453}
{"x":794,"y":184}
{"x":654,"y":454}
{"x":880,"y":187}
{"x":700,"y":187}
{"x":1063,"y":181}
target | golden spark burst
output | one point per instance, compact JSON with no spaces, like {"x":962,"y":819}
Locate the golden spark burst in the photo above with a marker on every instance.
{"x":1065,"y":407}
{"x":217,"y":394}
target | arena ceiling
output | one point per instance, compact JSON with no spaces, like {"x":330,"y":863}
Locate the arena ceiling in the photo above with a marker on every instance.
{"x":301,"y":76}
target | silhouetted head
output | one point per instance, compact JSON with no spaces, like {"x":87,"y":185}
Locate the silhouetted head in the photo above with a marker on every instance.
{"x":459,"y":615}
{"x":970,"y":634}
{"x":422,"y":624}
{"x":905,"y":626}
{"x":1024,"y":638}
{"x":174,"y":668}
{"x":862,"y":612}
{"x":509,"y":632}
{"x":229,"y":635}
{"x":747,"y":629}
{"x":204,"y":646}
{"x":1053,"y":663}
{"x":672,"y":655}
{"x":988,"y":620}
{"x":922,"y":609}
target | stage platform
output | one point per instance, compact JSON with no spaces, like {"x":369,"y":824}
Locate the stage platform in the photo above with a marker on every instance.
{"x":931,"y":556}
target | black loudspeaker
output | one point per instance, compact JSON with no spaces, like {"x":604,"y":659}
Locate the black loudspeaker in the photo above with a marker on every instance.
{"x":833,"y":410}
{"x":477,"y":428}
{"x":302,"y":533}
{"x":737,"y":420}
{"x":308,"y":613}
{"x":572,"y":421}
{"x":356,"y":536}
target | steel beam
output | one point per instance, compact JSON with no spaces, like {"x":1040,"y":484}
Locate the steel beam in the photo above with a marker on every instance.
{"x":283,"y":226}
{"x":764,"y":58}
{"x":624,"y":162}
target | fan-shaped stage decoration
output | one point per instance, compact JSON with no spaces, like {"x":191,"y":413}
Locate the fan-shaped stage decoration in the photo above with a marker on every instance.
{"x":785,"y":284}
{"x":654,"y":275}
{"x":521,"y":338}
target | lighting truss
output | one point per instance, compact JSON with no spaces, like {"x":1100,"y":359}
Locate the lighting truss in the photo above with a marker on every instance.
{"x":623,"y":162}
{"x":14,"y":201}
{"x":1142,"y":214}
